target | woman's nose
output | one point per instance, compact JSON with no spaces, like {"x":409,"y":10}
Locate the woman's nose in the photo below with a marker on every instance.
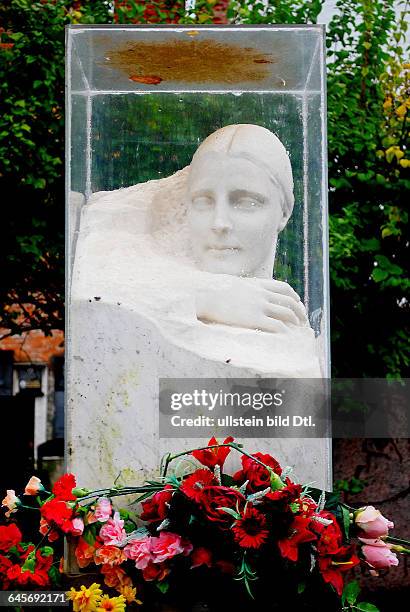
{"x":221,"y":221}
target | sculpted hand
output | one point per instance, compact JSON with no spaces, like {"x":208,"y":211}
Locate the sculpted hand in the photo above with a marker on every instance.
{"x":253,"y":303}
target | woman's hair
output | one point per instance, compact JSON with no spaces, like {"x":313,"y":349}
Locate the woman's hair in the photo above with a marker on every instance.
{"x":259,"y":146}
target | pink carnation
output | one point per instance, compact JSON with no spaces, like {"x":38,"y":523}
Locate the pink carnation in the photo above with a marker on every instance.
{"x":139,"y":551}
{"x":372,"y":523}
{"x":167,"y":545}
{"x":77,"y":526}
{"x":113,"y":532}
{"x":102,"y":512}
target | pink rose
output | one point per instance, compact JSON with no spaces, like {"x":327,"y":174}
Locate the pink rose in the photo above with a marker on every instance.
{"x":372,"y":522}
{"x":378,"y":554}
{"x":139,"y":551}
{"x":77,"y":526}
{"x":168,"y":545}
{"x":102,"y":512}
{"x":113,"y":532}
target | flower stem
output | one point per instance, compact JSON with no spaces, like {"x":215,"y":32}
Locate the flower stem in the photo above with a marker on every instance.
{"x":392,"y":540}
{"x":170,"y":458}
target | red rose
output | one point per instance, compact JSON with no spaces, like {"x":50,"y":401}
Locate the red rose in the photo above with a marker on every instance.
{"x":299,"y":533}
{"x":287,"y":495}
{"x":64,"y":486}
{"x":330,"y":536}
{"x":257,"y":475}
{"x":57,"y":513}
{"x":213,"y":456}
{"x":213,"y":499}
{"x":10,"y":535}
{"x":193,"y":485}
{"x":156,"y":508}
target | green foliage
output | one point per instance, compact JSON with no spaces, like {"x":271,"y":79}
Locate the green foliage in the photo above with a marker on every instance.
{"x":369,"y":251}
{"x":290,"y":11}
{"x":353,"y":486}
{"x":368,"y":106}
{"x":32,"y":158}
{"x":368,"y":142}
{"x":350,"y":594}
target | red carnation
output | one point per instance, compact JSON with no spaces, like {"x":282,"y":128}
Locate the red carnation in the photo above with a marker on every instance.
{"x":156,"y":508}
{"x":214,"y":456}
{"x":250,"y":530}
{"x":193,"y":485}
{"x":33,"y":572}
{"x":10,"y":535}
{"x":299,"y":533}
{"x":258,"y":476}
{"x":57,"y":513}
{"x":214,"y":499}
{"x":64,"y":486}
{"x":5,"y":565}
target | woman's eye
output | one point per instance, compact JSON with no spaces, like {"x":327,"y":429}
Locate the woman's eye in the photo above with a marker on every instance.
{"x":246,"y":203}
{"x":202,"y":202}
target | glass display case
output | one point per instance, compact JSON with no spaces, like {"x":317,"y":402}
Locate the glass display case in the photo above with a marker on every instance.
{"x":196,"y":214}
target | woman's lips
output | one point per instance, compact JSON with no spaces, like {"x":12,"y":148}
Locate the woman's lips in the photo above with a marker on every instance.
{"x":223,"y":248}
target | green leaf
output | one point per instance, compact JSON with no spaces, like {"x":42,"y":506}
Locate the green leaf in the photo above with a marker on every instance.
{"x":301,"y":587}
{"x":90,"y":534}
{"x":346,"y":521}
{"x":162,"y":586}
{"x":379,"y":275}
{"x":230,"y":512}
{"x":55,"y":576}
{"x":351,"y":592}
{"x":367,"y":607}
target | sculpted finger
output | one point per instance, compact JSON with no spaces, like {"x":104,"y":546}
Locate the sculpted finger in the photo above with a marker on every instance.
{"x":281,"y":313}
{"x":284,"y":300}
{"x":274,"y":326}
{"x":280,"y":287}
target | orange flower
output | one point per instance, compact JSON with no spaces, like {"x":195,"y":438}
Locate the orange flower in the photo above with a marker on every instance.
{"x":109,"y":555}
{"x":34,"y":486}
{"x":84,"y":552}
{"x":115,"y":577}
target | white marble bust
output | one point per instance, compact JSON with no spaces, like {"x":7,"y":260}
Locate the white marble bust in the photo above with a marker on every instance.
{"x":239,"y":197}
{"x":172,"y":278}
{"x":194,"y":253}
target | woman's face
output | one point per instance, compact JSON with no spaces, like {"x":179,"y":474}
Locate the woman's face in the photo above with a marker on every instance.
{"x":234,"y":215}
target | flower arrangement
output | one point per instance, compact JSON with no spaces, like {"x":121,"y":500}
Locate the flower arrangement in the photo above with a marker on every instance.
{"x":256,"y":534}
